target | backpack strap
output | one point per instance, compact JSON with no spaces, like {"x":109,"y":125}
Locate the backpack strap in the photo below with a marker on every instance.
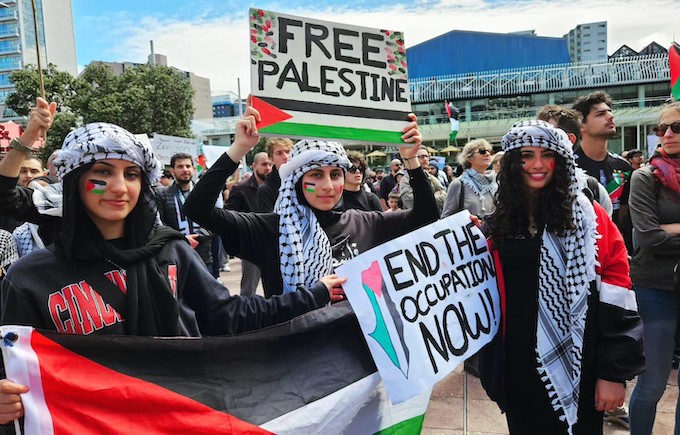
{"x":94,"y":275}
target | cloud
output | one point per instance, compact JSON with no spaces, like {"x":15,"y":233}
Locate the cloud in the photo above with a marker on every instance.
{"x":216,"y":46}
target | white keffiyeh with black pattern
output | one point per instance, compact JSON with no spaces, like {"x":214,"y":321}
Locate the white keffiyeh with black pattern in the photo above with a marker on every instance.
{"x":306,"y":254}
{"x":566,"y":269}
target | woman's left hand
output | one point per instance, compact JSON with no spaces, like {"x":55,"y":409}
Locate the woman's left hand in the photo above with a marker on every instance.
{"x":609,"y":395}
{"x":411,"y":136}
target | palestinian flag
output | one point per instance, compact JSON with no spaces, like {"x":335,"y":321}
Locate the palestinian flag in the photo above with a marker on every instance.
{"x":313,"y":374}
{"x":453,"y":113}
{"x":674,"y":63}
{"x":615,"y":186}
{"x":305,"y":119}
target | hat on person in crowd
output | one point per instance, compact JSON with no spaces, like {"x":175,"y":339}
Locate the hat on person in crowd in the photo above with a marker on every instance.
{"x":101,"y":141}
{"x":633,"y":153}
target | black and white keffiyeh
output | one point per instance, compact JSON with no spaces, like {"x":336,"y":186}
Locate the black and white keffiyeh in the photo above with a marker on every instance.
{"x":566,"y":269}
{"x":306,"y":254}
{"x":101,"y":141}
{"x":8,"y":249}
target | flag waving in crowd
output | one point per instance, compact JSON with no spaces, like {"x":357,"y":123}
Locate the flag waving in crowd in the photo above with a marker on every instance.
{"x":313,"y":374}
{"x":674,"y":63}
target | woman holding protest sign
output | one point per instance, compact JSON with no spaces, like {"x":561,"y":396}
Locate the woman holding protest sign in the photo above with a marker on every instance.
{"x":306,"y":237}
{"x":113,"y":270}
{"x":561,"y":260}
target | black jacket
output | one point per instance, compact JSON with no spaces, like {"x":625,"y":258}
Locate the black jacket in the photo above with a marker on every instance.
{"x":60,"y":299}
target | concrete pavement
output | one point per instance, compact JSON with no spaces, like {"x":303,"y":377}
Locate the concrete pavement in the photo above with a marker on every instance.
{"x":446,"y":412}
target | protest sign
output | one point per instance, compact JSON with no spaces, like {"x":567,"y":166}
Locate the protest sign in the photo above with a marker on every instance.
{"x":164,"y":147}
{"x":317,"y":79}
{"x":425,"y":301}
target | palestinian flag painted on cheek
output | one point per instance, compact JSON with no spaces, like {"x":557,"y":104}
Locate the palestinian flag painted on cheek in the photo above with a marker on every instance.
{"x":674,"y":62}
{"x":313,"y":374}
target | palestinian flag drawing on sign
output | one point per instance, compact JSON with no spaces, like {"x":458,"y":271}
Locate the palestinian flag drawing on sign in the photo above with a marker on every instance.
{"x":316,"y":79}
{"x":313,"y":374}
{"x":674,"y":62}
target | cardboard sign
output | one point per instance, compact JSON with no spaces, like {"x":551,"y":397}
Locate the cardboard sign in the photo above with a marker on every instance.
{"x":317,"y":79}
{"x":425,"y":301}
{"x":164,"y":147}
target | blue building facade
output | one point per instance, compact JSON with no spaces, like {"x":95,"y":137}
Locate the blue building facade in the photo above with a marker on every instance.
{"x":459,"y":52}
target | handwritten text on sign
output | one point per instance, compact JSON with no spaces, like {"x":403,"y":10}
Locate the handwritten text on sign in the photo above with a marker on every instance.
{"x":425,"y":301}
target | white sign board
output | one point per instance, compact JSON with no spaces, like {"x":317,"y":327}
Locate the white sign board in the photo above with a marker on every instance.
{"x":164,"y":147}
{"x":318,"y":79}
{"x":425,"y":301}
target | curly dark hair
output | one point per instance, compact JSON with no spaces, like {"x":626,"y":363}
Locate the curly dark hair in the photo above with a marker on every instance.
{"x":552,"y":207}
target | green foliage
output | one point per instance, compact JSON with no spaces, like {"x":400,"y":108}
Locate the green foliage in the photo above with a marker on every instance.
{"x":144,"y":99}
{"x":62,"y":124}
{"x":60,"y":87}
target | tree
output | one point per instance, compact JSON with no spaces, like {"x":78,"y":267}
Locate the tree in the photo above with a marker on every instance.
{"x":144,"y":99}
{"x":62,"y":124}
{"x":60,"y":87}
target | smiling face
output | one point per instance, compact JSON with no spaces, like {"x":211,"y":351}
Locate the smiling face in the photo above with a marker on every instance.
{"x":322,"y":187}
{"x":538,"y":167}
{"x":670,"y":142}
{"x":183,"y":171}
{"x":109,"y":191}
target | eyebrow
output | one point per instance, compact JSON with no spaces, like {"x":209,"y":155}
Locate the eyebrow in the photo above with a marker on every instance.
{"x":111,"y":166}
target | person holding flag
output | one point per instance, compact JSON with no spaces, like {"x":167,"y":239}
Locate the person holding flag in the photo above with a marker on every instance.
{"x":674,"y":64}
{"x":113,"y":271}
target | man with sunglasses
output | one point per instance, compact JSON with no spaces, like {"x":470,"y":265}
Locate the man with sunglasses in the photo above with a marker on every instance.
{"x":357,"y":194}
{"x":406,"y":192}
{"x":593,"y":156}
{"x":387,"y":183}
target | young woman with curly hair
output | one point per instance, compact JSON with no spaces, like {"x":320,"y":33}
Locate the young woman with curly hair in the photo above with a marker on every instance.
{"x":566,"y":346}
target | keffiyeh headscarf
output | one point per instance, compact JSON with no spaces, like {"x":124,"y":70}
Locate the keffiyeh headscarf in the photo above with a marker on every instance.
{"x":8,"y":249}
{"x":306,"y":254}
{"x":566,"y":269}
{"x":101,"y":141}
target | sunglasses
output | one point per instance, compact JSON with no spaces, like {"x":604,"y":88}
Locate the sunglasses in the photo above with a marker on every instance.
{"x":661,"y":129}
{"x":483,"y":151}
{"x":424,"y":156}
{"x":354,"y":169}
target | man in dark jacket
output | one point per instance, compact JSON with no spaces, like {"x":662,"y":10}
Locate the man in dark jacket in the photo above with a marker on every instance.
{"x":171,"y":203}
{"x":278,"y":150}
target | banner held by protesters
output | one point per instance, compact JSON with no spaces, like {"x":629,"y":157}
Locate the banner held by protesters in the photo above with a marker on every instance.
{"x":312,"y":374}
{"x":323,"y":80}
{"x":426,"y":301}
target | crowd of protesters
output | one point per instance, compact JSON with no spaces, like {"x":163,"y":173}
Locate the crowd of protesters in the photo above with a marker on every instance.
{"x":564,"y":215}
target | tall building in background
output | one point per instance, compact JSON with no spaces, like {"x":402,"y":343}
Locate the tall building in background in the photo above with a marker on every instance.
{"x":18,"y":42}
{"x":588,"y":42}
{"x":202,"y":101}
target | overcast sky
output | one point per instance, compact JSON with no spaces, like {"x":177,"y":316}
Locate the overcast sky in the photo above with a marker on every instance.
{"x":210,"y":37}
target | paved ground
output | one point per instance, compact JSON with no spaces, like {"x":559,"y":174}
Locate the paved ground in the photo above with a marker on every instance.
{"x":446,"y":412}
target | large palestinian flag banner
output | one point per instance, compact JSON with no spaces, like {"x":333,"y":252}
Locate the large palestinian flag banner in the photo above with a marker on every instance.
{"x":317,"y":79}
{"x":310,"y":375}
{"x":674,"y":62}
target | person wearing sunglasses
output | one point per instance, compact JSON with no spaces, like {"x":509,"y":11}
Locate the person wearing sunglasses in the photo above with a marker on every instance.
{"x":357,"y":194}
{"x":655,"y":211}
{"x":474,"y":190}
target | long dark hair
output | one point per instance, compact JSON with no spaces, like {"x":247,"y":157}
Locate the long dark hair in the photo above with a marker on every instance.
{"x":80,"y":241}
{"x":551,"y":208}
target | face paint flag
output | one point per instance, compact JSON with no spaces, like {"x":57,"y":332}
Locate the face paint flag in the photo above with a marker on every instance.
{"x":425,"y":301}
{"x":310,"y":187}
{"x":96,"y":186}
{"x":318,"y":79}
{"x":313,"y":374}
{"x":674,"y":62}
